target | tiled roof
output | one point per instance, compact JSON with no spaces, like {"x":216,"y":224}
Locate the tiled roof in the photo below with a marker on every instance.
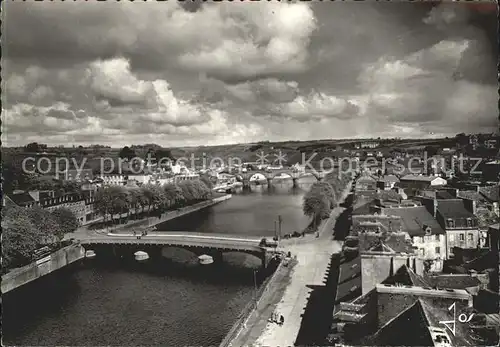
{"x":453,"y":209}
{"x":389,"y":178}
{"x":419,"y":178}
{"x":365,"y":179}
{"x":414,"y":220}
{"x":453,"y":281}
{"x":396,"y":332}
{"x":491,"y":193}
{"x":388,"y":195}
{"x":22,"y":199}
{"x":364,"y":208}
{"x":436,"y":310}
{"x":471,"y":194}
{"x":444,"y":195}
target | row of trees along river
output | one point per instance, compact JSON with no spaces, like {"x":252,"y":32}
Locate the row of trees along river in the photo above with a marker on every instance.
{"x":323,"y":196}
{"x":150,"y":198}
{"x":26,"y":229}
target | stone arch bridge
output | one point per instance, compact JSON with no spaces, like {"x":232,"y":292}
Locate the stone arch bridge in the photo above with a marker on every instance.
{"x":198,"y":243}
{"x":270,"y":175}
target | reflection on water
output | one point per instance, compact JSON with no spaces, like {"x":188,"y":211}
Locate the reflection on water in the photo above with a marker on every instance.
{"x":158,"y":303}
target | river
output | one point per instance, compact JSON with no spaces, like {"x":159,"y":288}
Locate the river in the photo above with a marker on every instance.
{"x":167,"y":303}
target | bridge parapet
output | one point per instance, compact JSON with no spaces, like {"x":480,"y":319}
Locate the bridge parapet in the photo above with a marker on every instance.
{"x":202,"y":244}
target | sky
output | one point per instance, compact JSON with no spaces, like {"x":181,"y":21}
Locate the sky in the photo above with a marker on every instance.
{"x":184,"y":74}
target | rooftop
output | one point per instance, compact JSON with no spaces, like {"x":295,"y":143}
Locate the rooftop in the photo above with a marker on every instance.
{"x":492,"y":193}
{"x":21,"y":199}
{"x":388,"y":178}
{"x":420,"y":178}
{"x":453,"y":208}
{"x":415,"y":220}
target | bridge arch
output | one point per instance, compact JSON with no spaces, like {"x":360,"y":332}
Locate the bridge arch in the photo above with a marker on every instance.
{"x":257,"y":176}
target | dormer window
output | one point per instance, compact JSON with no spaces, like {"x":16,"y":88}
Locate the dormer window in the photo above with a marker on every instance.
{"x":450,"y":223}
{"x":469,"y":222}
{"x":427,"y":230}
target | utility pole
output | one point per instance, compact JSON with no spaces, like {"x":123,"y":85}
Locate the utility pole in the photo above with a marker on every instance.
{"x":255,"y":286}
{"x":275,"y":230}
{"x":279,"y":227}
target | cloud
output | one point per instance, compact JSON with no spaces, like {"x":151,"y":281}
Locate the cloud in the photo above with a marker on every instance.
{"x":317,"y":106}
{"x":219,"y":72}
{"x":221,"y":40}
{"x":426,"y":86}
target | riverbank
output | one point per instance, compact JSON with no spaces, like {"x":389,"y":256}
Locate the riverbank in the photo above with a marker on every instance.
{"x":313,"y":256}
{"x":249,"y":324}
{"x":85,"y":231}
{"x":170,"y":215}
{"x":23,"y":275}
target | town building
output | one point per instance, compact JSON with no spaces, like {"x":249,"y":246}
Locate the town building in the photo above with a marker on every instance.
{"x":113,"y":180}
{"x":457,"y":218}
{"x":381,"y":316}
{"x":387,"y":182}
{"x":366,"y":182}
{"x":82,"y":205}
{"x":421,"y":181}
{"x":77,"y":175}
{"x":425,"y":232}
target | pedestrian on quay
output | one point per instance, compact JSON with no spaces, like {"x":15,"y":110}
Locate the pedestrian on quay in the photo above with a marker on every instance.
{"x":282,"y":319}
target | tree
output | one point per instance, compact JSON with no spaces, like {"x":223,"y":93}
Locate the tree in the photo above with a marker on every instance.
{"x":70,"y":186}
{"x":20,"y":238}
{"x":127,"y":153}
{"x":103,"y":202}
{"x":205,"y":178}
{"x":66,"y":220}
{"x":136,"y":198}
{"x":33,"y":147}
{"x":315,"y":205}
{"x":50,"y":230}
{"x":173,"y":194}
{"x":163,"y":155}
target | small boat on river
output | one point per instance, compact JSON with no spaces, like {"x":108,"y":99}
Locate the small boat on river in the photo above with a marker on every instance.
{"x":141,"y":256}
{"x":205,"y":259}
{"x":90,"y":254}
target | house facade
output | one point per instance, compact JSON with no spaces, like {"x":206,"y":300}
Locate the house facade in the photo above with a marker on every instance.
{"x":426,"y":234}
{"x":421,"y":181}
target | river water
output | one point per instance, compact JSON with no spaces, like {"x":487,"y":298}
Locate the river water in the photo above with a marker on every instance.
{"x":171,"y":303}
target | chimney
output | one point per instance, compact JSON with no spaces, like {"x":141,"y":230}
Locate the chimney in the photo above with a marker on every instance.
{"x":431,"y":205}
{"x":470,"y":205}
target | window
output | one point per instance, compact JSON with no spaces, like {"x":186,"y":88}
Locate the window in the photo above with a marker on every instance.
{"x":423,"y":252}
{"x":436,"y":237}
{"x":438,"y":250}
{"x":469,"y":222}
{"x":462,"y":237}
{"x":450,"y":223}
{"x":471,"y":237}
{"x":452,"y":238}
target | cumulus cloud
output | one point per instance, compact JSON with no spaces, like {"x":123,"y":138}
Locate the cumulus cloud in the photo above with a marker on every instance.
{"x":222,"y":40}
{"x":221,"y":72}
{"x":425,"y":87}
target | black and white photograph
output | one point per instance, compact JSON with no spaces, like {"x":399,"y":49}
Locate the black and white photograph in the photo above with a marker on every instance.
{"x":250,"y":173}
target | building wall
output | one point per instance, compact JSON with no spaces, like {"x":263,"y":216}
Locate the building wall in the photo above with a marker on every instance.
{"x":463,"y":238}
{"x":113,"y":180}
{"x":432,"y":247}
{"x":77,"y":207}
{"x":377,"y":266}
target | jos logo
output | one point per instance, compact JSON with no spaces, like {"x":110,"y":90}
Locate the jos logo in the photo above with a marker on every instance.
{"x":462,"y":318}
